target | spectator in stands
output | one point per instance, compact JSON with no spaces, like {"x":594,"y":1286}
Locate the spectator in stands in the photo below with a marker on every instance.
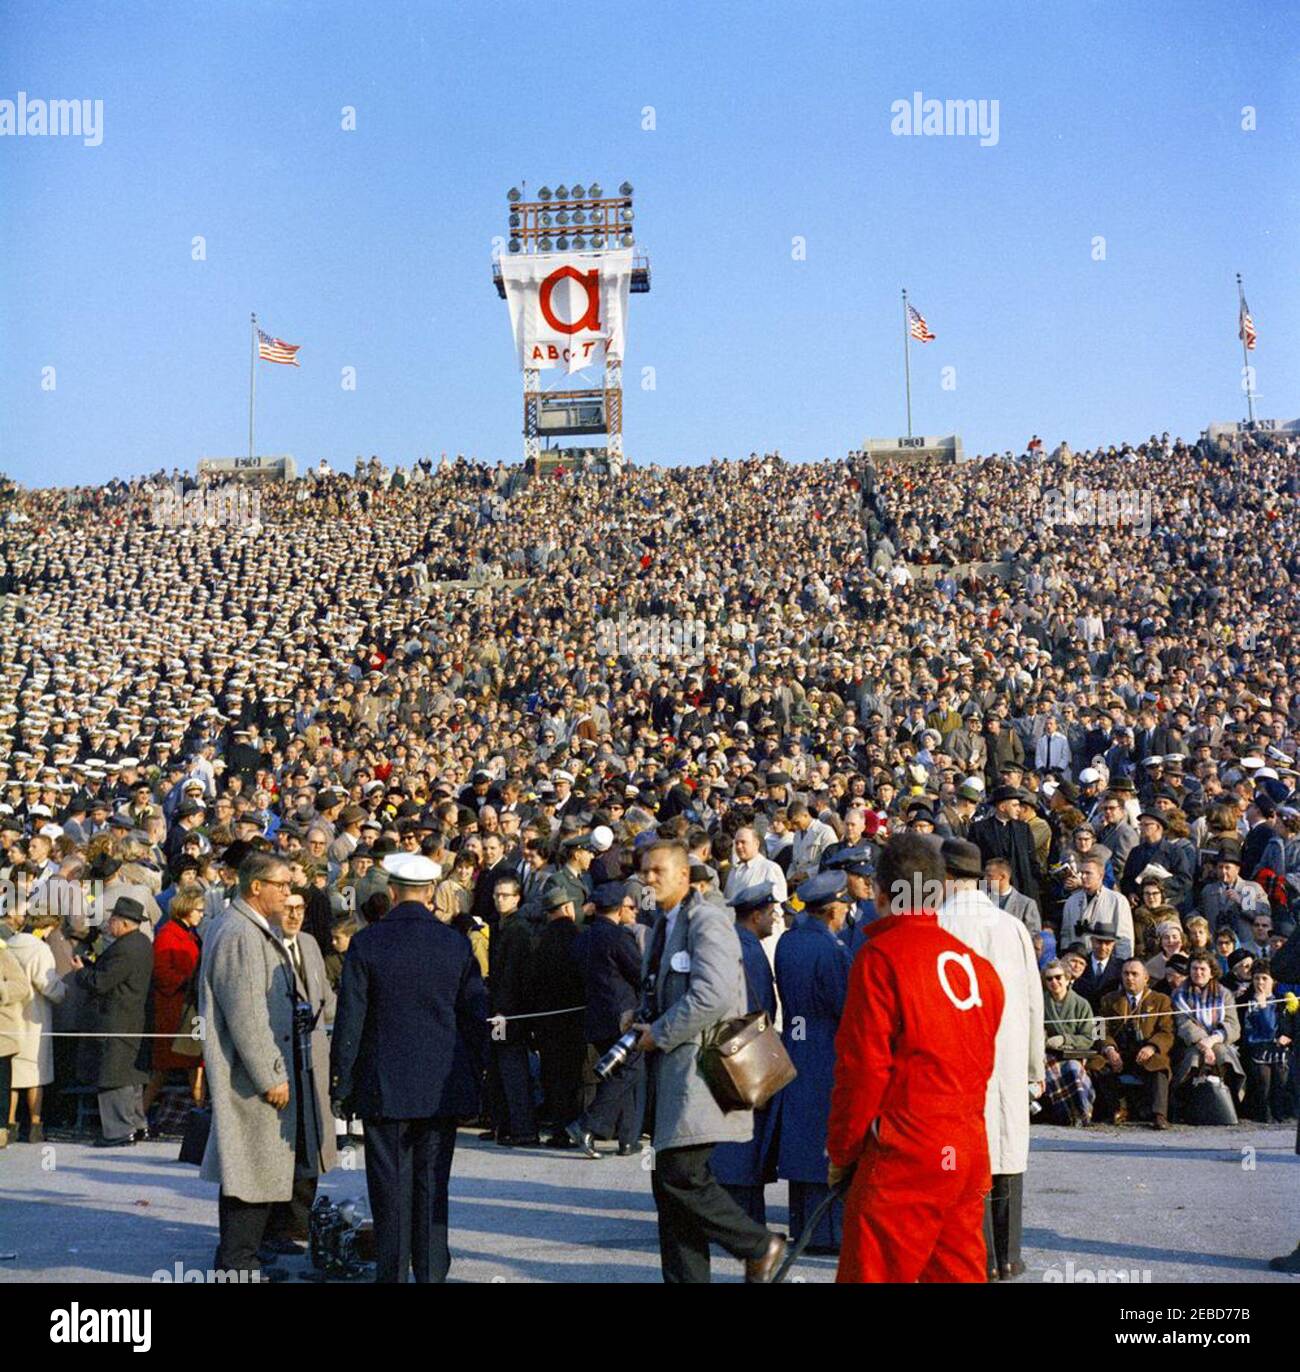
{"x":1071,"y":1033}
{"x":1207,"y":1028}
{"x":1137,"y":1039}
{"x":1267,"y":1033}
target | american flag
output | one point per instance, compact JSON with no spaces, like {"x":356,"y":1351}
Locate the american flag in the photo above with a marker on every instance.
{"x":917,"y":326}
{"x":276,"y":349}
{"x":1246,"y":332}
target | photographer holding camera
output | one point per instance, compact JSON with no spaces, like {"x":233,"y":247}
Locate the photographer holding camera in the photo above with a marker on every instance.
{"x":694,"y":960}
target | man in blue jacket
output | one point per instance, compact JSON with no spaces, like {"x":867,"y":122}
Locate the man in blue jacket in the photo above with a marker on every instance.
{"x":812,"y":978}
{"x":607,"y":955}
{"x":406,"y":1057}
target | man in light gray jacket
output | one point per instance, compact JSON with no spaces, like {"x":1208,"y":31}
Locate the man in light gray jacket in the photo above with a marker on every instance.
{"x":699,"y":980}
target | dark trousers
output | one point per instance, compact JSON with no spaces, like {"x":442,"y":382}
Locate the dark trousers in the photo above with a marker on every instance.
{"x":242,"y":1226}
{"x":6,"y":1080}
{"x":695,"y":1210}
{"x":1003,"y":1220}
{"x":408,"y":1169}
{"x":510,"y":1090}
{"x":805,"y":1197}
{"x":1267,"y":1095}
{"x":751,"y":1199}
{"x":619,"y":1104}
{"x":1154,"y":1093}
{"x":291,"y":1219}
{"x":563,"y":1054}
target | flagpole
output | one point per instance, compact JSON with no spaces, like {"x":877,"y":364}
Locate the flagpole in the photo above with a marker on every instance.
{"x":907,"y":362}
{"x":252,"y":378}
{"x":1245,"y":352}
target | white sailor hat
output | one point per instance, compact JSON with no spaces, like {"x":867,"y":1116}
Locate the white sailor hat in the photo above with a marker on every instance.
{"x":411,"y":869}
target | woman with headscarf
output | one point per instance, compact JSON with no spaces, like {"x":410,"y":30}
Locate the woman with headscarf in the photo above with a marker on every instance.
{"x":1206,"y":1028}
{"x":1169,"y":934}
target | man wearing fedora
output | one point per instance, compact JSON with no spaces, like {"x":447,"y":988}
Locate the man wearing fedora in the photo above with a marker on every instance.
{"x":1004,"y":834}
{"x":117,"y":984}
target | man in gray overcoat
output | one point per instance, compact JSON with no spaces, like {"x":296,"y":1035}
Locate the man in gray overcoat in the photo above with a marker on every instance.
{"x":288,"y":1228}
{"x":695,"y":959}
{"x":264,"y":1131}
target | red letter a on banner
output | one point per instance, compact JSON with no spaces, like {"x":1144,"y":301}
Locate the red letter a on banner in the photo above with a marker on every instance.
{"x":590,"y":282}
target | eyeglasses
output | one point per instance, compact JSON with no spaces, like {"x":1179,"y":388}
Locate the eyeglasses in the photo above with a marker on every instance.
{"x":1056,"y":976}
{"x":285,"y":885}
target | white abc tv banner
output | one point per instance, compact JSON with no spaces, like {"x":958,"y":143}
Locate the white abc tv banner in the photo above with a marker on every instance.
{"x":568,"y":309}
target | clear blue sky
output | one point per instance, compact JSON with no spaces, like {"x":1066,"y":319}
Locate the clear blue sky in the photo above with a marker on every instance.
{"x":371,"y":248}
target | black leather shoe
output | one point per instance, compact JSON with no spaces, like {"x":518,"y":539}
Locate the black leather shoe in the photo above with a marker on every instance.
{"x":560,"y":1140}
{"x":761,"y":1270}
{"x":124,"y":1142}
{"x":1011,"y":1271}
{"x":142,"y":1135}
{"x":625,"y":1150}
{"x":582,"y":1138}
{"x":487,"y":1136}
{"x":520,"y":1141}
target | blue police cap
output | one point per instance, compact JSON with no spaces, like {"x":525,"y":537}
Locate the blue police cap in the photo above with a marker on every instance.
{"x":609,"y":895}
{"x":823,"y":888}
{"x":753,"y":898}
{"x":857,"y":862}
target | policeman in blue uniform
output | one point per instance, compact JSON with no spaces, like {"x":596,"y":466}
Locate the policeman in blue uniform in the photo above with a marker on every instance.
{"x":609,"y":959}
{"x":407,"y":1055}
{"x":743,"y":1168}
{"x":859,"y":867}
{"x":812,"y":977}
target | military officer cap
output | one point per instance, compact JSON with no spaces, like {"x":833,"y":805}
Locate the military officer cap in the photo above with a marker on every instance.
{"x":822,"y":889}
{"x":855,"y":862}
{"x":411,"y":869}
{"x":753,"y":898}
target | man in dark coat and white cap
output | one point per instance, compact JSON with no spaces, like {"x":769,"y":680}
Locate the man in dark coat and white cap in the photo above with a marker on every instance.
{"x":406,"y":1057}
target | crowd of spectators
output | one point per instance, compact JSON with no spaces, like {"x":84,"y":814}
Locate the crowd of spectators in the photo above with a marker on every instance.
{"x":429,"y":660}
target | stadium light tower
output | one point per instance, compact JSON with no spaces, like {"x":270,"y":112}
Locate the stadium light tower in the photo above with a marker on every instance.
{"x":567,"y":269}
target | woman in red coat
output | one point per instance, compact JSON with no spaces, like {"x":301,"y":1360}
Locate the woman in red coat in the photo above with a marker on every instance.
{"x":176,"y":950}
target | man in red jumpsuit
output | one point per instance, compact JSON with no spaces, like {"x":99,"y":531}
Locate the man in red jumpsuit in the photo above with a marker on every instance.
{"x":913,"y":1057}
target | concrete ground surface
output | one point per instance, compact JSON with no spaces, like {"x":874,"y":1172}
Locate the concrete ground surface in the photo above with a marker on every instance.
{"x":1207,"y":1205}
